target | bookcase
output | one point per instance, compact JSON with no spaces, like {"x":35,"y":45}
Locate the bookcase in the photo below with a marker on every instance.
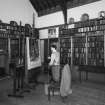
{"x":95,"y":46}
{"x":65,"y":50}
{"x":4,"y":44}
{"x":83,"y":46}
{"x":84,"y":43}
{"x":65,"y":45}
{"x":79,"y":50}
{"x":13,"y":38}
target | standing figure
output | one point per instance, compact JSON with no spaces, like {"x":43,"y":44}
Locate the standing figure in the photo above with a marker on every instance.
{"x":55,"y":63}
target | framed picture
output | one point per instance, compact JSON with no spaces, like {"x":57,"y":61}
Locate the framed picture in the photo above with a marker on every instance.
{"x":34,"y":49}
{"x":33,"y":53}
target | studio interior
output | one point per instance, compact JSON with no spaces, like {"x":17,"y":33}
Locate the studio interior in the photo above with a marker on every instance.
{"x":52,"y":52}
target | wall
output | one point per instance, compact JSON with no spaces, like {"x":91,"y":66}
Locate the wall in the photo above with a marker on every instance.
{"x":57,"y":18}
{"x":50,"y":20}
{"x":92,"y":9}
{"x":44,"y":34}
{"x":17,"y":10}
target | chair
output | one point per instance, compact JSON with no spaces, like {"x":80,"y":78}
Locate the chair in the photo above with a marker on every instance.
{"x":54,"y":86}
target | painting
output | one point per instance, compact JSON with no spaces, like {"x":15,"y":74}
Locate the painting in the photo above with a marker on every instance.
{"x":33,"y":49}
{"x":33,"y":57}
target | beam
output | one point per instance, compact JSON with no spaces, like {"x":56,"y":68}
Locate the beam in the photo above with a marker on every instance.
{"x":50,"y":4}
{"x":63,"y":5}
{"x":44,"y":3}
{"x":39,"y":3}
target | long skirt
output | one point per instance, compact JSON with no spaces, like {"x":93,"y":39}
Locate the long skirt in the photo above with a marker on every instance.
{"x":56,"y":73}
{"x":65,"y":86}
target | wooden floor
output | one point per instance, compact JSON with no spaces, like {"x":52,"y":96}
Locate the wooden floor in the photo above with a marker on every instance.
{"x":85,"y":93}
{"x":88,"y":94}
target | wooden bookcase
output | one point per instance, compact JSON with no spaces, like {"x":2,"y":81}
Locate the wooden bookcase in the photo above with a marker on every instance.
{"x":84,"y":46}
{"x":79,"y":50}
{"x":86,"y":42}
{"x":12,"y":40}
{"x":65,"y":50}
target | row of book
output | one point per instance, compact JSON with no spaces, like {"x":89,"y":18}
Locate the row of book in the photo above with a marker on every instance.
{"x":7,"y":29}
{"x":65,"y":50}
{"x":89,"y":31}
{"x":88,"y":23}
{"x":4,"y":44}
{"x":91,"y":28}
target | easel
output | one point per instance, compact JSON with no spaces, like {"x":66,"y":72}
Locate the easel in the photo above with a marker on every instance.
{"x":17,"y":81}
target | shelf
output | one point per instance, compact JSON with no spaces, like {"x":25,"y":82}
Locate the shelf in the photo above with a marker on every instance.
{"x":88,"y":43}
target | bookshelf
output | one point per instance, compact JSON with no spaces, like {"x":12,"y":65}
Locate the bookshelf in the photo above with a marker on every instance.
{"x":79,"y":50}
{"x":13,"y":38}
{"x":85,"y":42}
{"x":65,"y":50}
{"x":96,"y":50}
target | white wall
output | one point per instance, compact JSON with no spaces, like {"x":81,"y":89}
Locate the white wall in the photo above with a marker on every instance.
{"x":92,"y":9}
{"x":57,"y":18}
{"x":16,"y":10}
{"x":43,"y":34}
{"x":50,"y":20}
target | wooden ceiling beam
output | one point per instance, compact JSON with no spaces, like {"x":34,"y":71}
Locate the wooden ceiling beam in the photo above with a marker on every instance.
{"x":50,"y":4}
{"x":57,"y":1}
{"x":39,"y":3}
{"x":63,"y":5}
{"x":44,"y":3}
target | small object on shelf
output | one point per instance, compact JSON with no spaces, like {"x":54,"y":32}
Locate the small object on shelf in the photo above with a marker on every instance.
{"x":71,"y":20}
{"x":28,"y":26}
{"x":28,"y":30}
{"x":13,"y":23}
{"x":85,"y":17}
{"x":0,"y":21}
{"x":102,"y":14}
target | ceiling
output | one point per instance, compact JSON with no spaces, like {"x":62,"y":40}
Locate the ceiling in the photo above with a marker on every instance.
{"x":44,"y":7}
